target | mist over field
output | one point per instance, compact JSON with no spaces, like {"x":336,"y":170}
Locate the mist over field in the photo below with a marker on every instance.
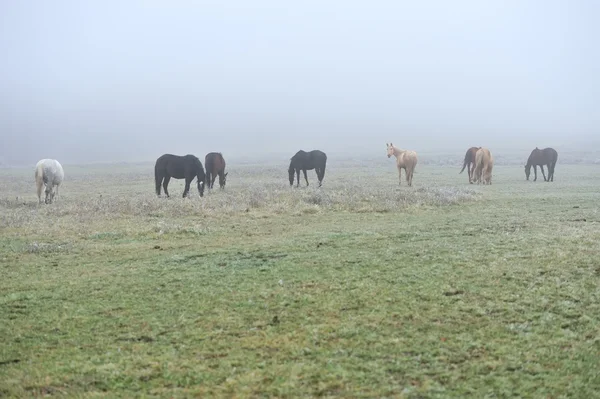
{"x":128,"y":81}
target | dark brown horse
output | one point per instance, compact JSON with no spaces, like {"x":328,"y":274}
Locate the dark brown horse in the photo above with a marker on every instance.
{"x":547,"y":156}
{"x":469,"y":162}
{"x":304,"y":161}
{"x":185,"y":167}
{"x":215,"y":166}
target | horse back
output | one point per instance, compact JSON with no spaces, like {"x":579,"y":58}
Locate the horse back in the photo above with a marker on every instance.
{"x":50,"y":171}
{"x":214,"y":162}
{"x":407,"y":159}
{"x":550,"y":154}
{"x":470,"y":157}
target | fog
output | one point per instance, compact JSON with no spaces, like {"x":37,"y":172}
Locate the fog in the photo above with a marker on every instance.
{"x":131,"y":80}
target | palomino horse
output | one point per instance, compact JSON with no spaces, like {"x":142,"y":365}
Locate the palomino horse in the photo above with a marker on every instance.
{"x":304,"y":161}
{"x":469,"y":162}
{"x":50,"y":173}
{"x":484,"y":163}
{"x":547,"y":156}
{"x":405,"y":159}
{"x":185,"y":167}
{"x":215,"y":166}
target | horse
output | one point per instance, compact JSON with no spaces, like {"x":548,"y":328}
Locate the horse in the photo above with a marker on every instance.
{"x":215,"y":166}
{"x":484,"y":163}
{"x":185,"y":167}
{"x":547,"y":156}
{"x":304,"y":161}
{"x":405,"y":159}
{"x":48,"y":172}
{"x":469,"y":162}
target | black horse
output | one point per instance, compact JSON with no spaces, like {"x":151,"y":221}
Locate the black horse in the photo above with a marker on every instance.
{"x":547,"y":156}
{"x":185,"y":167}
{"x":304,"y":161}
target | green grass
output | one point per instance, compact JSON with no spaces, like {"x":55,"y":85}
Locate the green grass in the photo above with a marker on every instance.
{"x":358,"y":289}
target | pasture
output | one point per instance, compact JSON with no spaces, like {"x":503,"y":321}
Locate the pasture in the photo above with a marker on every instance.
{"x":360,"y":288}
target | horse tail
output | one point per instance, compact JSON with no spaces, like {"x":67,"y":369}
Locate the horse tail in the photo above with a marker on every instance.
{"x":466,"y":161}
{"x":323,"y":170}
{"x":39,"y":179}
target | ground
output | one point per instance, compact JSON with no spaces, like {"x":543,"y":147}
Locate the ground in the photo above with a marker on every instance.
{"x":359,"y":289}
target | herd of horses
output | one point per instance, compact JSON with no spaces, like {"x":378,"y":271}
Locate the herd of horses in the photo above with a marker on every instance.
{"x":478,"y":161}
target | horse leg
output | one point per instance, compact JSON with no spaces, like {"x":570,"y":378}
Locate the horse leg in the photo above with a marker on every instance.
{"x":165,"y":184}
{"x":305,"y":176}
{"x":534,"y":172}
{"x":543,"y":174}
{"x":212,"y":181}
{"x":186,"y":190}
{"x":297,"y":177}
{"x":470,"y":170}
{"x":399,"y":176}
{"x":320,"y":174}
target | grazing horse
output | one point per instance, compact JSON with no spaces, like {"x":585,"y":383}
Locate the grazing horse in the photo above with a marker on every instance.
{"x":547,"y":156}
{"x":469,"y":162}
{"x":484,"y":163}
{"x":50,"y":173}
{"x":215,"y":166}
{"x":405,"y":159}
{"x":304,"y":161}
{"x":185,"y":167}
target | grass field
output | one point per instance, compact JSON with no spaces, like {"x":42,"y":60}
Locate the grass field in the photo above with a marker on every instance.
{"x":358,"y":289}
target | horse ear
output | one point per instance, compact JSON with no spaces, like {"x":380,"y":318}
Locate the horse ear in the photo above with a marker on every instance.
{"x":391,"y":145}
{"x":226,"y":173}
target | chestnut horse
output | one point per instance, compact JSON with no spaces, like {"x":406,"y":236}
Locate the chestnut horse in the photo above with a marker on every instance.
{"x":484,"y":163}
{"x":405,"y":159}
{"x":547,"y":156}
{"x":469,"y":162}
{"x":215,"y":166}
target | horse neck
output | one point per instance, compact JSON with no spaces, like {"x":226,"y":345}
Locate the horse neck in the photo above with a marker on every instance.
{"x":533,"y":159}
{"x":398,"y":152}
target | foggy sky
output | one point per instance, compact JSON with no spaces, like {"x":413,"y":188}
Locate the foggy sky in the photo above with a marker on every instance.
{"x":131,"y":80}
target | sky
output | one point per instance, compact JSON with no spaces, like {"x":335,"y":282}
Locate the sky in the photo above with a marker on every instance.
{"x":94,"y":81}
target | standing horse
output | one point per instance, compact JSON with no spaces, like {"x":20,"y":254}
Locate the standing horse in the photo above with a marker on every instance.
{"x":304,"y":161}
{"x":185,"y":167}
{"x":50,"y":173}
{"x":405,"y":159}
{"x":215,"y":166}
{"x":547,"y":156}
{"x":484,"y":163}
{"x":469,"y":162}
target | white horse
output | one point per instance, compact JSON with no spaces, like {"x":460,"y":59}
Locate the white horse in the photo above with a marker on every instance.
{"x":50,"y":173}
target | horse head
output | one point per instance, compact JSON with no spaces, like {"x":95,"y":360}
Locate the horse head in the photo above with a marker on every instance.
{"x":49,"y":194}
{"x":390,"y":149}
{"x":223,"y":180}
{"x":201,"y":187}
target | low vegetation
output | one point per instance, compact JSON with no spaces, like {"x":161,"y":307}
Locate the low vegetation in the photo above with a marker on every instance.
{"x":358,"y":289}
